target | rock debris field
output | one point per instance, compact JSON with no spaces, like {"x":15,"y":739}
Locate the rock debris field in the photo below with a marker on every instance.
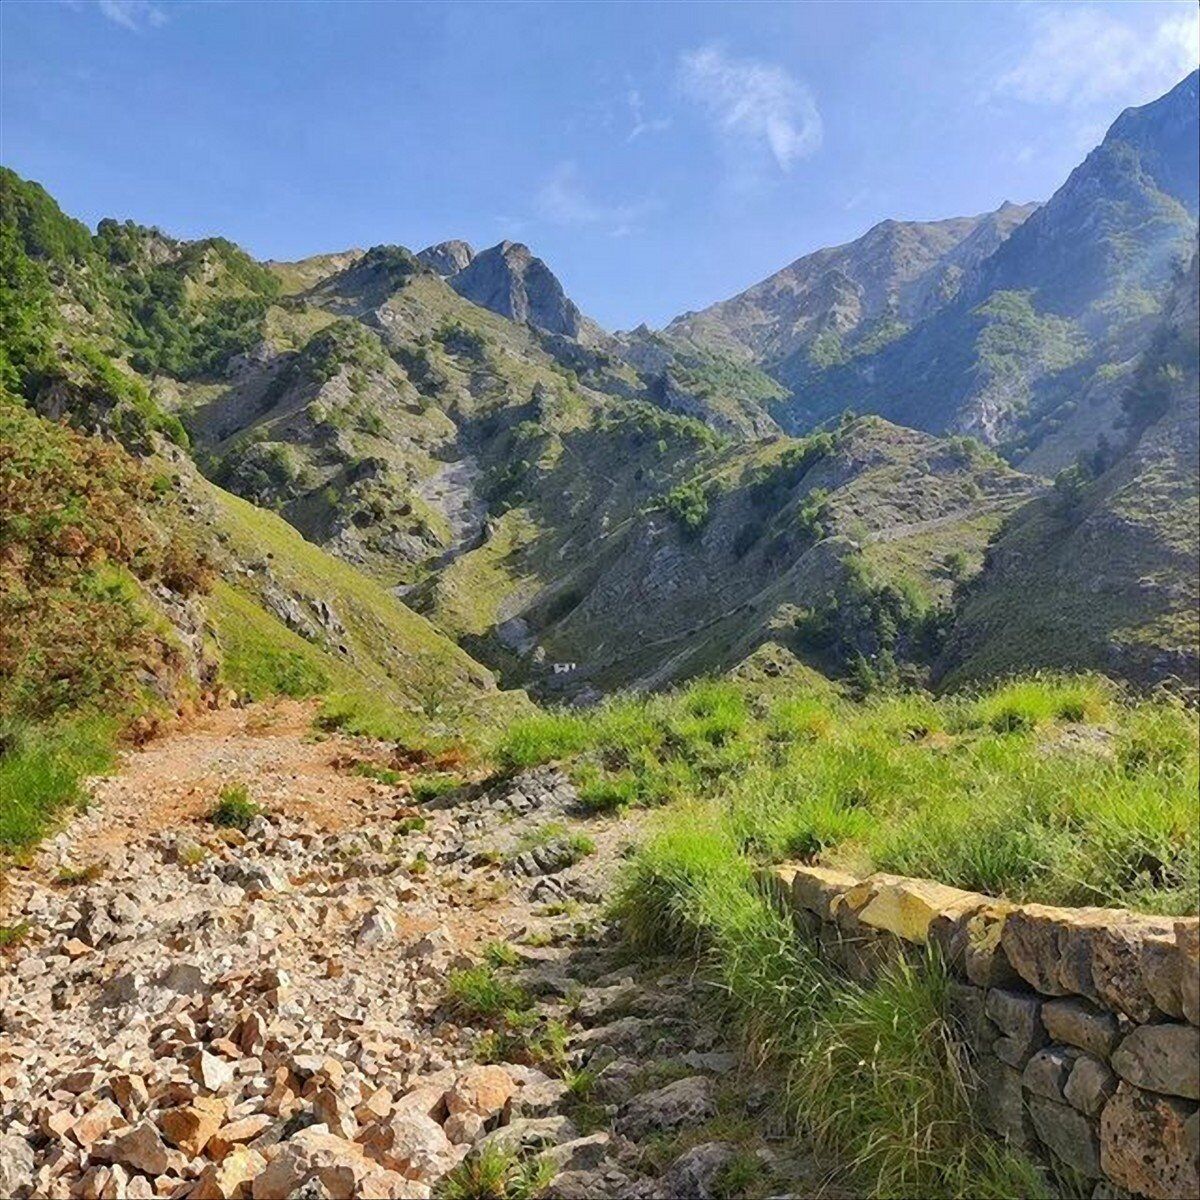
{"x":214,"y":1013}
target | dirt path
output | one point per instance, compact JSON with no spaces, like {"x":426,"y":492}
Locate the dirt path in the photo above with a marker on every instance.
{"x":276,"y":1012}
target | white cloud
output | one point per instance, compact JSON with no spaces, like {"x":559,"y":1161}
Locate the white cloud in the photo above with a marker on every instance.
{"x":641,"y":123}
{"x":1081,"y":56}
{"x":757,"y":109}
{"x":564,"y":200}
{"x":132,"y":14}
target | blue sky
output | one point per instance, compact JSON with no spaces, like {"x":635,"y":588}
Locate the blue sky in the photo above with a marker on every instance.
{"x":658,"y":156}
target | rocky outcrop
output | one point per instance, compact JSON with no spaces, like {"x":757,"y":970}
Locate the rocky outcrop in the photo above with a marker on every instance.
{"x":510,"y":280}
{"x":447,"y":258}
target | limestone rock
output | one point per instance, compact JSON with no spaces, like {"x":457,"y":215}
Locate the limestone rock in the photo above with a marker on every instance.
{"x":482,"y":1090}
{"x":140,"y":1148}
{"x":16,"y":1165}
{"x":228,"y":1178}
{"x":1047,"y":1072}
{"x":1161,"y":1058}
{"x":816,"y":888}
{"x":1080,"y":1023}
{"x":414,"y":1145}
{"x":1146,"y":1144}
{"x":1019,"y":1017}
{"x":1068,"y":1134}
{"x":580,"y":1154}
{"x":338,"y":1165}
{"x":1187,"y":938}
{"x":192,"y":1125}
{"x":694,"y":1174}
{"x":1090,"y":1085}
{"x":682,"y":1103}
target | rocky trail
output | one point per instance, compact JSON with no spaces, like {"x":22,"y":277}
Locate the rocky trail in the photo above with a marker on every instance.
{"x":312,"y":1007}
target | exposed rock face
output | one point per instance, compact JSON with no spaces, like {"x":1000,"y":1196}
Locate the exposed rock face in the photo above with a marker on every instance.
{"x":897,"y":271}
{"x":511,"y":281}
{"x":447,"y":258}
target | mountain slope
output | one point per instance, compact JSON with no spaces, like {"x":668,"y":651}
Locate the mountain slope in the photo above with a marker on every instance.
{"x":864,"y":291}
{"x":1020,"y":328}
{"x":1104,"y":572}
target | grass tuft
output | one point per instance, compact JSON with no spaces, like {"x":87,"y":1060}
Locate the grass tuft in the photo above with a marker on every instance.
{"x":234,"y":808}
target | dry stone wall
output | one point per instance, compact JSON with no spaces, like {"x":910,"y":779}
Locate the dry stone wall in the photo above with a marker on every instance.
{"x":1083,"y":1024}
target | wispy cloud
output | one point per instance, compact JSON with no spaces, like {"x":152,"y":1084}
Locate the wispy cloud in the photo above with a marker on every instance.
{"x":1080,"y":56}
{"x":758,"y":110}
{"x":564,"y":200}
{"x":643,"y":124}
{"x":129,"y":14}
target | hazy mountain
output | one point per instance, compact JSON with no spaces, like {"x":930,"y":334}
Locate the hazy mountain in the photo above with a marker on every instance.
{"x":868,"y":290}
{"x":1003,"y":326}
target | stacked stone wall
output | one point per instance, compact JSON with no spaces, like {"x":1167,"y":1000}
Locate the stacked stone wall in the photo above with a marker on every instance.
{"x":1083,"y":1024}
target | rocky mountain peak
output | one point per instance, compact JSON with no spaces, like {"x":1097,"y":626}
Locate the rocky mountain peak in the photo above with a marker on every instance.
{"x":511,"y":280}
{"x":447,"y":258}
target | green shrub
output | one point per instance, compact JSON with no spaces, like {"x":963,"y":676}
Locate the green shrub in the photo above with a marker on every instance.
{"x":688,"y":504}
{"x":234,"y":808}
{"x":495,"y":1173}
{"x":480,"y":994}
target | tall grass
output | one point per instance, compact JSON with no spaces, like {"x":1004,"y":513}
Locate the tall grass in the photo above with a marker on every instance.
{"x":1045,"y":788}
{"x":871,"y":1074}
{"x":41,"y":770}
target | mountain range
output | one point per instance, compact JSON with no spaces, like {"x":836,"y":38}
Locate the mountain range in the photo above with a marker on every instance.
{"x":946,"y":450}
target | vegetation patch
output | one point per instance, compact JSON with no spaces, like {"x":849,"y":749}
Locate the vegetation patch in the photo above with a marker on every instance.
{"x":234,"y":808}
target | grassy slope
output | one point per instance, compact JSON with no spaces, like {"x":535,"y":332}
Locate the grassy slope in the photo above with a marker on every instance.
{"x":388,"y":655}
{"x":658,"y":603}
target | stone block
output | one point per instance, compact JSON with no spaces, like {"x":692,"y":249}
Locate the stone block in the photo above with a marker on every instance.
{"x":965,"y":1010}
{"x":1162,"y":972}
{"x":775,"y":883}
{"x":1091,"y":1083}
{"x":1000,"y":1103}
{"x":815,"y":889}
{"x":1018,"y":1016}
{"x":1031,"y":939}
{"x":1067,"y":1134}
{"x":1187,"y":938}
{"x":1161,"y":1058}
{"x":1147,"y":1144}
{"x":1047,"y":1072}
{"x":906,"y":907}
{"x":1081,"y":1023}
{"x":1116,"y":961}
